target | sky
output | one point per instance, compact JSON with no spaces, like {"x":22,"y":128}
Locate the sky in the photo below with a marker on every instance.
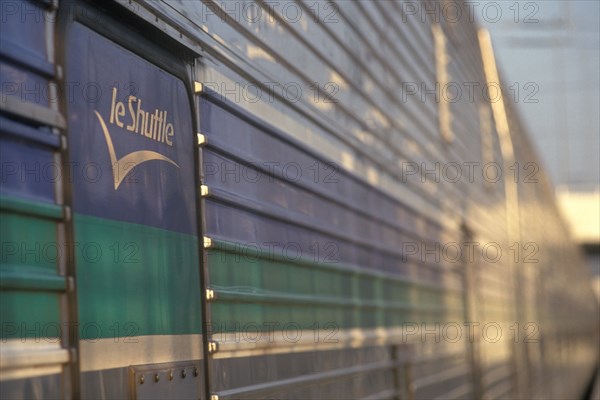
{"x":550,"y":51}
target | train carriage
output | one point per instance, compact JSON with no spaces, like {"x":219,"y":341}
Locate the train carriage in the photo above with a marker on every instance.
{"x":292,"y":199}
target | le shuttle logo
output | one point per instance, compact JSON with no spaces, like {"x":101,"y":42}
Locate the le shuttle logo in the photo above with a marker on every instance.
{"x":152,"y":126}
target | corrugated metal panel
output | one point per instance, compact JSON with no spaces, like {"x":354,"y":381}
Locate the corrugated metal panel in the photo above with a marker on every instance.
{"x":38,"y":348}
{"x":344,"y":127}
{"x":371,"y":131}
{"x":301,"y":251}
{"x":354,"y":209}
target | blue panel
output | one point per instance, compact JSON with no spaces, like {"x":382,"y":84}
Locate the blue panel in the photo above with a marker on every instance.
{"x":26,"y":86}
{"x":42,"y":135}
{"x":283,"y":199}
{"x":27,"y":170}
{"x":23,"y":32}
{"x":248,"y":228}
{"x":130,"y":135}
{"x":272,"y":191}
{"x":243,"y":137}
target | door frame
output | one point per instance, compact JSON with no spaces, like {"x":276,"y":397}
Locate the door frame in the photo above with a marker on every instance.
{"x":121,"y":25}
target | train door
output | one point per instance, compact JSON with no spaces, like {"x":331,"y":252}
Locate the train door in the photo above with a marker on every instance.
{"x":132,"y":166}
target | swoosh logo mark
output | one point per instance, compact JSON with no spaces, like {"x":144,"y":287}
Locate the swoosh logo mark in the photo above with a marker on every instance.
{"x":121,"y":167}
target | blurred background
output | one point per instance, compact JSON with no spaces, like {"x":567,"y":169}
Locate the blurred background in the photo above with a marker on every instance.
{"x":549,"y":55}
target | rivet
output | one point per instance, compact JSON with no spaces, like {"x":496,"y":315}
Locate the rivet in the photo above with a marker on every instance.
{"x":201,"y":139}
{"x":210,"y":294}
{"x":195,"y":371}
{"x":142,"y":379}
{"x":63,"y":142}
{"x":170,"y":374}
{"x":183,"y":374}
{"x":204,"y":190}
{"x":212,"y":347}
{"x":67,"y":213}
{"x":156,"y":378}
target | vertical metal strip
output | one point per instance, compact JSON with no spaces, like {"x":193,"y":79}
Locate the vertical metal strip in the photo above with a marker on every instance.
{"x":443,"y":78}
{"x":408,"y":376}
{"x":511,"y":191}
{"x":67,"y":267}
{"x":396,"y":370}
{"x":201,"y":190}
{"x":470,"y":292}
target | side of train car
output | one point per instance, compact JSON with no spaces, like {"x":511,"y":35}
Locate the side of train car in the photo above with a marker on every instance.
{"x":252,"y":199}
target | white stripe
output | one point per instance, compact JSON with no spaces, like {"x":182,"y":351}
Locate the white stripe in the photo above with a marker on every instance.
{"x":246,"y":344}
{"x":30,"y":372}
{"x":31,"y":357}
{"x":138,"y":350}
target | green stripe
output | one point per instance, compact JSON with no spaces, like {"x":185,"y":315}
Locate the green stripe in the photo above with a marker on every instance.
{"x":18,"y":277}
{"x":254,"y":252}
{"x":307,"y":300}
{"x":30,"y":315}
{"x":31,"y":207}
{"x":256,"y":289}
{"x":30,"y":296}
{"x":29,"y":241}
{"x":136,"y":280}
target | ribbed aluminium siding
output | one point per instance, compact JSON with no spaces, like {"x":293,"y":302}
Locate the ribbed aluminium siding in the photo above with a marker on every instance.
{"x":37,"y":346}
{"x":369,"y":51}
